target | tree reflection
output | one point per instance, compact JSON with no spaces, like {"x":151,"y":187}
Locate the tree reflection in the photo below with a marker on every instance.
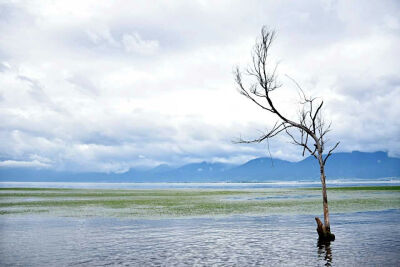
{"x":325,"y":251}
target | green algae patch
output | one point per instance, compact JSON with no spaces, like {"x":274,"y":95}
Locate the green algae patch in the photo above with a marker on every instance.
{"x":37,"y":192}
{"x":146,"y":203}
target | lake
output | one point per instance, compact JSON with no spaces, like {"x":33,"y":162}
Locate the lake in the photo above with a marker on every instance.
{"x":362,"y":239}
{"x":197,"y":226}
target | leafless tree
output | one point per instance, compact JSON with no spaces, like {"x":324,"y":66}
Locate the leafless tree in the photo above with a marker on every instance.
{"x":308,"y":131}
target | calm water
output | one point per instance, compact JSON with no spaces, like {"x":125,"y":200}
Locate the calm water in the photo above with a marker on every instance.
{"x":288,"y":184}
{"x":363,"y":239}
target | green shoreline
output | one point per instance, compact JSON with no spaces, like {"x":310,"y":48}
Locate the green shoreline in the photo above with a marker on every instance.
{"x":161,"y":203}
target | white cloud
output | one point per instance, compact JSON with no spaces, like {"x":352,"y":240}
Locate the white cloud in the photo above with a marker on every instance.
{"x":24,"y":164}
{"x":135,"y":43}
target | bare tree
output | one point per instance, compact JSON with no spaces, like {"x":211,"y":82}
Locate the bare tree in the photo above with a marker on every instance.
{"x":308,"y":131}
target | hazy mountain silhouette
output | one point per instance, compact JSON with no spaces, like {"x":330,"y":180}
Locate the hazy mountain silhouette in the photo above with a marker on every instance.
{"x":340,"y":166}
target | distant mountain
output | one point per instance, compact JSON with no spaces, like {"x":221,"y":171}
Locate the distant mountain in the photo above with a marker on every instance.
{"x":340,"y":165}
{"x":356,"y":164}
{"x":260,"y":169}
{"x":204,"y":171}
{"x":369,"y":165}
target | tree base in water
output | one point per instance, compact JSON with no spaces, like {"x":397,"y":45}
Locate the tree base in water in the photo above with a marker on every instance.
{"x":324,"y":234}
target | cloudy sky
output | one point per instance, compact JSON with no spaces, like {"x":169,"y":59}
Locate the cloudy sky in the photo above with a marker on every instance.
{"x":109,"y":85}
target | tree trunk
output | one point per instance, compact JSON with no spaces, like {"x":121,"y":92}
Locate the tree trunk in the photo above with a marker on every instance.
{"x":325,"y":200}
{"x":324,"y":230}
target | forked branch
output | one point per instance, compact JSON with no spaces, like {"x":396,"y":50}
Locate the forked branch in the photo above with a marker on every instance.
{"x":263,"y":80}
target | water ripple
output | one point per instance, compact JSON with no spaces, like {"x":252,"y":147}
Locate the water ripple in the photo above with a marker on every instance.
{"x":363,"y":239}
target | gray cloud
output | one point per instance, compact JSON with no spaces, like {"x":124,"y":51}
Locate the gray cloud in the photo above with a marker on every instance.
{"x":83,"y":84}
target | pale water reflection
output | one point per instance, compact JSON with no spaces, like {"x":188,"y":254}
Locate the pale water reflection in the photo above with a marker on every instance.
{"x":362,"y":239}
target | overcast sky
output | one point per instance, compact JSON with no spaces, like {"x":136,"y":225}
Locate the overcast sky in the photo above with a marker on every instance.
{"x":109,"y":85}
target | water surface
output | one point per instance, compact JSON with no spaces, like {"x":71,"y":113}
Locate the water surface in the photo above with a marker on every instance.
{"x":362,"y":239}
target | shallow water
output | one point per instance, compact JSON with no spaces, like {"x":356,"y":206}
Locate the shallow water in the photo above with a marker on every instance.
{"x":219,"y":185}
{"x":174,"y":203}
{"x":362,"y":239}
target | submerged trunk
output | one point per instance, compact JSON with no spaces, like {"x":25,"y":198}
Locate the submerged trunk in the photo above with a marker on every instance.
{"x":324,"y":230}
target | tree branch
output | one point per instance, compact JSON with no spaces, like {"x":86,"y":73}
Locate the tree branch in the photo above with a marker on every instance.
{"x":310,"y":123}
{"x":330,"y":152}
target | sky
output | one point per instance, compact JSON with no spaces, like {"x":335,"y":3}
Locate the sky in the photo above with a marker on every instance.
{"x":111,"y":85}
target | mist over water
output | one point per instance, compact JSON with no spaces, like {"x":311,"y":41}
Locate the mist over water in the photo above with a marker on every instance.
{"x":362,"y":239}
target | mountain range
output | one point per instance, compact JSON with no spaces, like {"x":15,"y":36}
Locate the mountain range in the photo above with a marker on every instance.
{"x":361,"y":165}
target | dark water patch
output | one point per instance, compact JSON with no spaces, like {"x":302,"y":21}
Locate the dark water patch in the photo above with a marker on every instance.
{"x":362,"y":239}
